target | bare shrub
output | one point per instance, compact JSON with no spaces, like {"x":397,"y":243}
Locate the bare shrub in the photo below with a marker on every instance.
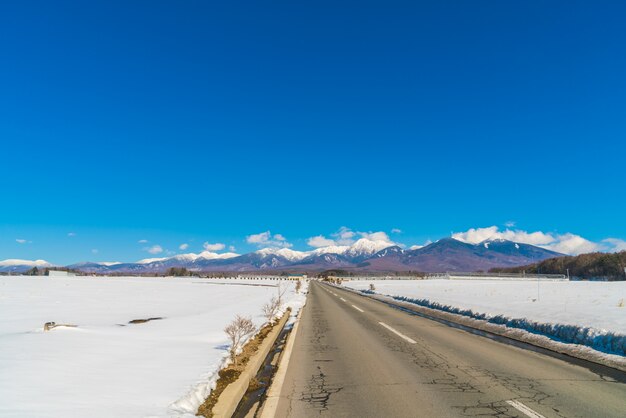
{"x":238,"y":331}
{"x":270,"y":309}
{"x":298,"y":286}
{"x":372,"y":287}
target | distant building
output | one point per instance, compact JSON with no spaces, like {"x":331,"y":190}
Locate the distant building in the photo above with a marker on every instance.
{"x":60,"y":273}
{"x":297,"y":276}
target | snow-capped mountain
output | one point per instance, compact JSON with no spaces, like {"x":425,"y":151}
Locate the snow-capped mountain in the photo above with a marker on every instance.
{"x":204,"y":255}
{"x":263,"y":259}
{"x":17,"y":265}
{"x":362,"y":248}
{"x":190,"y":257}
{"x":331,"y":249}
{"x":365,"y":248}
{"x":447,"y":254}
{"x":286,"y":253}
{"x":151,"y":260}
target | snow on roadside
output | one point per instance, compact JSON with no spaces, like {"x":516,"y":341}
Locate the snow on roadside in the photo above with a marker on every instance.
{"x":189,"y":403}
{"x":159,"y":368}
{"x":588,"y":313}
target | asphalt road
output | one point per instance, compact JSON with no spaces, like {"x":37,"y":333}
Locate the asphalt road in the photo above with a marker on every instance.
{"x":356,"y":357}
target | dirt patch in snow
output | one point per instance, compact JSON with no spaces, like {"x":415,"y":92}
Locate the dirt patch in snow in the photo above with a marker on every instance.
{"x":143,"y":321}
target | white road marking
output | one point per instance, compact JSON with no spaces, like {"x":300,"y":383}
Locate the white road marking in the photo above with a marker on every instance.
{"x":524,"y":409}
{"x":273,"y":393}
{"x":357,"y":308}
{"x":342,"y":299}
{"x":399,"y":334}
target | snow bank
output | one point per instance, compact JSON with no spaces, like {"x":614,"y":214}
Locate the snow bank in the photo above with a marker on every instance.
{"x":586,"y":313}
{"x":106,"y":367}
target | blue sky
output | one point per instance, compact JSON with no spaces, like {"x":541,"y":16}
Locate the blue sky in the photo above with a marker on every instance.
{"x":193,"y":122}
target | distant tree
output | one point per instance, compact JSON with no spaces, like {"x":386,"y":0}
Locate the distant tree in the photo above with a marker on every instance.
{"x":32,"y":272}
{"x":177,"y":272}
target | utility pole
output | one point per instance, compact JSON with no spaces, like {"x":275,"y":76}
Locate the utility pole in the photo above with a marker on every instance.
{"x":537,"y":288}
{"x":538,"y":274}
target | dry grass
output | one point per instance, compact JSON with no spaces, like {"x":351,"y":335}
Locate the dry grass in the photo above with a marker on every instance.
{"x":232,"y":372}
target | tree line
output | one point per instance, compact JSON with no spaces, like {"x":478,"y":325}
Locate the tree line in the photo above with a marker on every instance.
{"x":604,"y":266}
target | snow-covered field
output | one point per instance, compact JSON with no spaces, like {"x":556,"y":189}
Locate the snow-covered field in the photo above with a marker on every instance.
{"x":106,"y":367}
{"x":597,"y":305}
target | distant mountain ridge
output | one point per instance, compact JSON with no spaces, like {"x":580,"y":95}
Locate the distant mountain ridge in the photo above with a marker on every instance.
{"x":449,"y":254}
{"x":364,"y":255}
{"x":19,"y":266}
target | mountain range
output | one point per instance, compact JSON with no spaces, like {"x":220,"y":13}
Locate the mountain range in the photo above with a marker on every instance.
{"x":364,"y":255}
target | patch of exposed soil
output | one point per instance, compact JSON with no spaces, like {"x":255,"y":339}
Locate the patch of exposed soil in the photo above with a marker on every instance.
{"x":143,"y":321}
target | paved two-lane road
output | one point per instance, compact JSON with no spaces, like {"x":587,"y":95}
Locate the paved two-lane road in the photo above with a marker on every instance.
{"x":356,"y":357}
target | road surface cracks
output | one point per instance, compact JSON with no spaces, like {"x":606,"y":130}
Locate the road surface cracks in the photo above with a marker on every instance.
{"x":453,"y":378}
{"x":442,"y":375}
{"x":318,"y":390}
{"x":447,"y":376}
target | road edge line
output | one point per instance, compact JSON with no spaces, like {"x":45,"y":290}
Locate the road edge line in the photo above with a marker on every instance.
{"x":269,"y":406}
{"x":233,"y":393}
{"x":578,"y":354}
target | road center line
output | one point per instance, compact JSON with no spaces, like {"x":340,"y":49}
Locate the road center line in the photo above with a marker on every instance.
{"x":399,"y":334}
{"x":357,"y":308}
{"x":342,"y":299}
{"x":524,"y":409}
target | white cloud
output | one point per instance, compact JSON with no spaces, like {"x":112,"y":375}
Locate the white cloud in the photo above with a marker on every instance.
{"x":375,"y":236}
{"x":573,"y":245}
{"x":155,"y":249}
{"x":568,"y":243}
{"x":183,"y":246}
{"x":266,"y":239}
{"x":320,"y":241}
{"x":21,"y":241}
{"x":232,"y":248}
{"x":71,"y":234}
{"x":616,"y":245}
{"x":346,"y":236}
{"x":218,"y":246}
{"x":396,"y":231}
{"x":509,"y":224}
{"x":476,"y":235}
{"x":416,"y":247}
{"x":258,"y":238}
{"x":94,"y":251}
{"x":143,"y":241}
